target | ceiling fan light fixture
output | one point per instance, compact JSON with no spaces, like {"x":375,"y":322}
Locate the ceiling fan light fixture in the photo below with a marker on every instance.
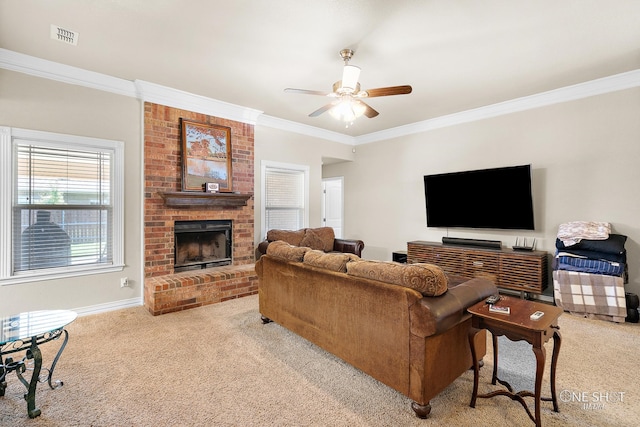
{"x":347,"y":110}
{"x":350,"y":76}
{"x":347,"y":105}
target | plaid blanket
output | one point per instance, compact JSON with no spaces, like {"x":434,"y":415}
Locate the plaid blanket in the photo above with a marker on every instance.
{"x":593,"y":295}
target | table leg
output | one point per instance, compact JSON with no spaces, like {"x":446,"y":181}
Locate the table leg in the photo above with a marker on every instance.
{"x":58,"y":383}
{"x":3,"y":375}
{"x":494,"y":341}
{"x":557,"y":341}
{"x":540,"y":358}
{"x":32,"y":353}
{"x":474,"y":360}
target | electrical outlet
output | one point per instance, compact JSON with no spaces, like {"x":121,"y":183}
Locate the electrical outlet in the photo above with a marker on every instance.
{"x":124,"y":282}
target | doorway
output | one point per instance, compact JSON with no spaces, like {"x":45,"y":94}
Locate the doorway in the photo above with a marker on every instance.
{"x":333,"y":205}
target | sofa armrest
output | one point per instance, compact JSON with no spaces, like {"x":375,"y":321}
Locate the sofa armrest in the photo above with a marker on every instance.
{"x":261,"y":249}
{"x":348,"y":246}
{"x":434,"y":315}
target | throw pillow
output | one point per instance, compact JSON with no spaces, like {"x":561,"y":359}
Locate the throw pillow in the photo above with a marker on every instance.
{"x":330,"y":261}
{"x":428,"y":279}
{"x":289,"y":236}
{"x":319,"y":238}
{"x":283,"y":250}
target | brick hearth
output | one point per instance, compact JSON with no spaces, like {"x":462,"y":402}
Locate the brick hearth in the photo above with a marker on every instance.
{"x":189,"y":289}
{"x":164,"y":290}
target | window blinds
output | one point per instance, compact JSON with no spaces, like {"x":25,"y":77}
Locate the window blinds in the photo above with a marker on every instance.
{"x":284,"y":199}
{"x":62,"y":211}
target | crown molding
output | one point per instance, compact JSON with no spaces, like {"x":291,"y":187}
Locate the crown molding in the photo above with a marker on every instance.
{"x":145,"y":91}
{"x":158,"y":94}
{"x":289,"y":126}
{"x":600,"y":86}
{"x":151,"y":92}
{"x":37,"y":67}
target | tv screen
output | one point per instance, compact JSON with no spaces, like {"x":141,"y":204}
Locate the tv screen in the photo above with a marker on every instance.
{"x":497,"y":198}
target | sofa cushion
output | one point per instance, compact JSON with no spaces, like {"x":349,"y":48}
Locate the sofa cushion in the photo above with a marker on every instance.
{"x":284,"y":250}
{"x":319,"y":238}
{"x":331,"y":261}
{"x":289,"y":236}
{"x":428,"y":279}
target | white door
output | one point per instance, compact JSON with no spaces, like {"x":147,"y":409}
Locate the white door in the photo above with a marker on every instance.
{"x":332,"y":204}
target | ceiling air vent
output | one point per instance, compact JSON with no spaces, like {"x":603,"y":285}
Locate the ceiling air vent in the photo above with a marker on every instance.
{"x":64,"y":35}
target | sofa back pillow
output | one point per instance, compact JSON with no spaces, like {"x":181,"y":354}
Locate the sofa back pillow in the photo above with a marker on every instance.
{"x":428,"y":279}
{"x":330,"y":261}
{"x":284,"y":250}
{"x":289,"y":236}
{"x":319,"y":238}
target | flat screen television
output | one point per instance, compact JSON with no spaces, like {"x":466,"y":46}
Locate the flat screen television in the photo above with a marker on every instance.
{"x":498,"y":198}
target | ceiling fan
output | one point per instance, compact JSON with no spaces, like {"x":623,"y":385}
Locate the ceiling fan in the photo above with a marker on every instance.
{"x":348,"y":103}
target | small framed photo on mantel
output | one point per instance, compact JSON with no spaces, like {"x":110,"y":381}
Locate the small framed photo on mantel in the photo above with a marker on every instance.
{"x":211,"y":187}
{"x":206,"y":157}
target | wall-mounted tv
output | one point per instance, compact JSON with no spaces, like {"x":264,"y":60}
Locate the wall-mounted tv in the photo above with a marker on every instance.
{"x":498,"y":198}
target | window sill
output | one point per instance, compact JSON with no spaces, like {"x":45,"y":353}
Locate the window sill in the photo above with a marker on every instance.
{"x":54,"y":274}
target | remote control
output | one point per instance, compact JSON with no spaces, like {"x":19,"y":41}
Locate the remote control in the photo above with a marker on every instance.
{"x":536,"y":315}
{"x":492,"y":299}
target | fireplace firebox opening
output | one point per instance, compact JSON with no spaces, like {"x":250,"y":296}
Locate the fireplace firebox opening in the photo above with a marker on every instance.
{"x":202,"y":244}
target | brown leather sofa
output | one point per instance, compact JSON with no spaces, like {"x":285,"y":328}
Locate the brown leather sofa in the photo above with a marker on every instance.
{"x":322,"y":238}
{"x":377,"y":316}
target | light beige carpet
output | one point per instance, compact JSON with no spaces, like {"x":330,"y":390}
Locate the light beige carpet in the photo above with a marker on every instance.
{"x":220,"y":366}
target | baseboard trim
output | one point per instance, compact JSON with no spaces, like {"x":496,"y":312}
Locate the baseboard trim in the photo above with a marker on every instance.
{"x":108,"y":306}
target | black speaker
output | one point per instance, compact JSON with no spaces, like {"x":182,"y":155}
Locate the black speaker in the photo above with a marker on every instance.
{"x":632,"y":300}
{"x":400,"y":256}
{"x":492,"y":244}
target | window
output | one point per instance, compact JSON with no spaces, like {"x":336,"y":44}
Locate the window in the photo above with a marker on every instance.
{"x":285,"y":199}
{"x":61,"y":205}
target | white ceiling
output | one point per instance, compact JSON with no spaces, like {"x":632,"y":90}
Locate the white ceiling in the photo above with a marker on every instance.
{"x":457,"y":54}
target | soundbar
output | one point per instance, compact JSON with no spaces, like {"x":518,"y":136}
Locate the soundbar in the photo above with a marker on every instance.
{"x":493,"y":244}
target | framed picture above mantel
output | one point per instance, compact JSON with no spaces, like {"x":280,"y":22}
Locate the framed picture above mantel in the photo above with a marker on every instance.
{"x":206,"y":156}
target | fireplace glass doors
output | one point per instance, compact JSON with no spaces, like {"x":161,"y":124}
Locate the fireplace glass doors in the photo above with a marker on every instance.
{"x":202,"y":244}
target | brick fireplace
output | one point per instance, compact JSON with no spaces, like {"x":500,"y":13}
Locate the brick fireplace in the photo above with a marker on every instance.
{"x":201,"y":244}
{"x":166,"y":290}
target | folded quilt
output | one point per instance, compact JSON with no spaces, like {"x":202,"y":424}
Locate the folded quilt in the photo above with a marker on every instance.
{"x":603,"y":256}
{"x":590,"y":293}
{"x":573,"y":232}
{"x":586,"y":265}
{"x":613,"y":245}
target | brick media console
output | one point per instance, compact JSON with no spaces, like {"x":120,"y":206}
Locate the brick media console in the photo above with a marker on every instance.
{"x":524,"y":271}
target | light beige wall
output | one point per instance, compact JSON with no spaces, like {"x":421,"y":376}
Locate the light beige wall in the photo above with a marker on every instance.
{"x":584,"y":156}
{"x":287,"y":147}
{"x":40,"y":104}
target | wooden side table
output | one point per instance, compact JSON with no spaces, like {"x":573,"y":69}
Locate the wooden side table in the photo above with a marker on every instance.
{"x":518,"y":326}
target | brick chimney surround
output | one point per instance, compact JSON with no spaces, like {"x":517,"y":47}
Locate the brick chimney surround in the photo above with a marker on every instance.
{"x":164,"y":203}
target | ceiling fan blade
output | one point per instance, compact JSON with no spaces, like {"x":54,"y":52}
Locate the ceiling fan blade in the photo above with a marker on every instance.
{"x":308,"y":92}
{"x":322,"y":110}
{"x":387,"y":91}
{"x":369,"y":112}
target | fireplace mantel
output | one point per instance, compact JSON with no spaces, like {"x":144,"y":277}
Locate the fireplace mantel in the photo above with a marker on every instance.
{"x":186,"y":199}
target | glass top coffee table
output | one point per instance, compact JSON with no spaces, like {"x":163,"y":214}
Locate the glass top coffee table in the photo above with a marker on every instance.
{"x":24,"y":332}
